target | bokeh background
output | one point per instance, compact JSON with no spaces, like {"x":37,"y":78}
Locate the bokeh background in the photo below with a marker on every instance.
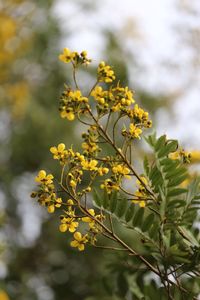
{"x":153,"y":46}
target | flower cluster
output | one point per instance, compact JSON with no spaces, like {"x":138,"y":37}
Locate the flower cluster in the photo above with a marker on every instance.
{"x":70,"y":222}
{"x":121,"y":170}
{"x":71,"y":103}
{"x":89,"y":168}
{"x":117,"y":99}
{"x":72,"y":56}
{"x":139,"y":116}
{"x":46,"y":193}
{"x":134,"y":131}
{"x":105,"y":73}
{"x":90,"y":144}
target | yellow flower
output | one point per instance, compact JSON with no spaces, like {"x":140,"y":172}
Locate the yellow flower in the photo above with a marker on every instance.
{"x":70,"y":204}
{"x":74,"y":57}
{"x":88,"y":219}
{"x":94,"y":226}
{"x":52,"y":203}
{"x":76,"y":96}
{"x":195,"y":155}
{"x":70,"y":208}
{"x":68,"y":113}
{"x":51,"y":208}
{"x":175,"y":155}
{"x":85,"y":59}
{"x":105,"y":73}
{"x":79,"y":241}
{"x":140,"y":113}
{"x":73,"y":183}
{"x":116,"y":107}
{"x":58,"y":202}
{"x":88,"y":189}
{"x":109,"y":186}
{"x":43,"y":178}
{"x":122,"y":96}
{"x":102,"y":171}
{"x":80,"y":157}
{"x":134,"y":131}
{"x":90,"y":147}
{"x":182,"y":154}
{"x":68,"y":224}
{"x":59,"y":152}
{"x":122,"y":170}
{"x":84,"y":53}
{"x":141,"y":193}
{"x":89,"y":165}
{"x":66,"y":56}
{"x":98,"y":94}
{"x":140,"y":202}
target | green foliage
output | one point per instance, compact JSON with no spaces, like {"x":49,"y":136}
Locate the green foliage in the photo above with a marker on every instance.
{"x":166,"y":225}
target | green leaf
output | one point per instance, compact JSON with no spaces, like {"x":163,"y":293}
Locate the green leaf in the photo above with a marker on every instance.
{"x":187,"y":234}
{"x":130,"y":212}
{"x":153,"y":232}
{"x":122,"y":285}
{"x":153,"y":172}
{"x":151,"y":139}
{"x":170,"y":147}
{"x":175,"y":172}
{"x":121,"y":207}
{"x":163,"y":202}
{"x":113,"y":203}
{"x":177,"y":180}
{"x":176,"y":192}
{"x":166,"y":239}
{"x":97,"y":198}
{"x":138,"y":217}
{"x":160,"y":143}
{"x":181,"y":259}
{"x":108,"y":285}
{"x":148,"y":222}
{"x":176,"y":203}
{"x":169,"y":164}
{"x":105,"y":199}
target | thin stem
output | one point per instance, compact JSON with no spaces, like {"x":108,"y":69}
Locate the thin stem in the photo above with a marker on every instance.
{"x":93,"y":87}
{"x":74,"y":76}
{"x":108,"y":119}
{"x":111,"y":223}
{"x":110,"y":248}
{"x":114,"y":127}
{"x":83,"y":122}
{"x":136,"y":198}
{"x":62,"y":174}
{"x":130,"y":153}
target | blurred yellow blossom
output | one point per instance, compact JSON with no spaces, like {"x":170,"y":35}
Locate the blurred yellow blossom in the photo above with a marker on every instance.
{"x":3,"y":295}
